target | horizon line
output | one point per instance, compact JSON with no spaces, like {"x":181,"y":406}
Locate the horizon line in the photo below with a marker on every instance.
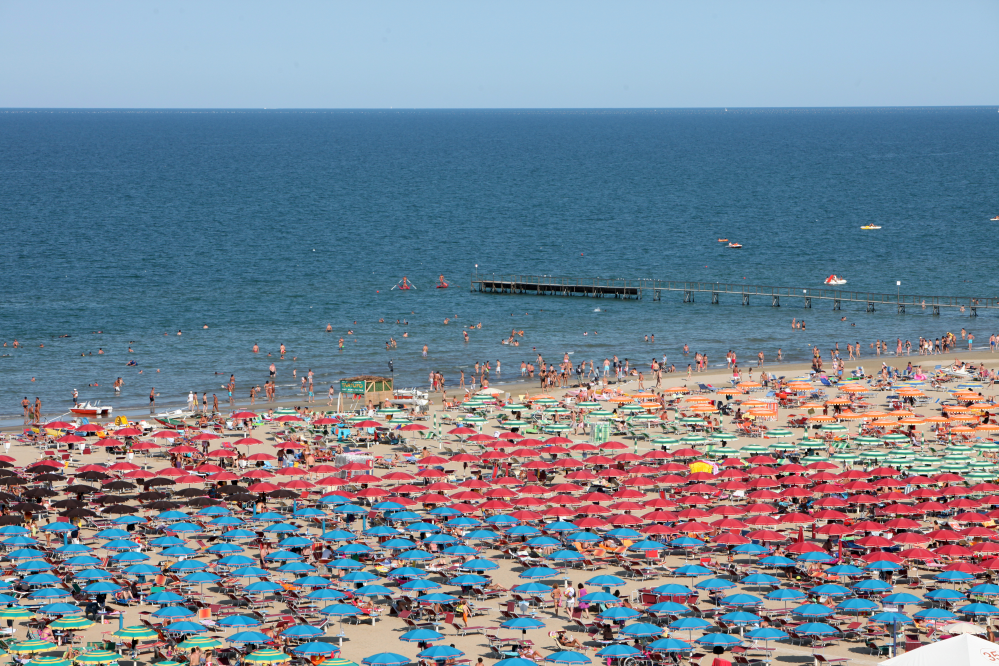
{"x":977,"y":107}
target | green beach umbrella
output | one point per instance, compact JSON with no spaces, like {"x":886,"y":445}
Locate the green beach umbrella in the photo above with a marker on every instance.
{"x":588,"y":405}
{"x":74,"y":623}
{"x":629,"y":407}
{"x":814,"y":459}
{"x":600,"y":414}
{"x":980,"y":475}
{"x":691,"y":420}
{"x":49,"y":661}
{"x":544,"y":402}
{"x":135,"y":631}
{"x":981,"y":465}
{"x":926,"y":460}
{"x":958,"y":448}
{"x":556,"y":410}
{"x":692,"y":440}
{"x":473,"y":419}
{"x":779,"y":433}
{"x":33,"y":646}
{"x":845,"y":456}
{"x":513,"y":407}
{"x":203,"y":642}
{"x":644,"y":417}
{"x":97,"y":657}
{"x":923,"y":469}
{"x":266,"y":656}
{"x":867,"y":441}
{"x":721,"y":436}
{"x":783,"y":446}
{"x":954,"y":466}
{"x":752,"y":450}
{"x":895,"y":437}
{"x":15,"y":613}
{"x":874,"y":455}
{"x":557,"y":427}
{"x":834,"y":427}
{"x":810,"y":442}
{"x":987,"y":446}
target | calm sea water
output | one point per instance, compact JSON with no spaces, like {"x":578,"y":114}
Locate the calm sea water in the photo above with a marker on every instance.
{"x":268,"y":225}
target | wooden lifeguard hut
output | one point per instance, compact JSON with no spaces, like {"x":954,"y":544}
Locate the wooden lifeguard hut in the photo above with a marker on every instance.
{"x":366,"y":387}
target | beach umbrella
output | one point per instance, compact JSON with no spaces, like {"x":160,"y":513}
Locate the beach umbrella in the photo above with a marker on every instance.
{"x":689,"y":623}
{"x":301,"y":631}
{"x":390,"y":659}
{"x":255,"y":637}
{"x":641,"y":630}
{"x":268,"y":656}
{"x":815,"y":629}
{"x":373,"y":591}
{"x":906,"y":598}
{"x":421,"y":636}
{"x":890,"y":618}
{"x":856,"y":605}
{"x":979,"y":610}
{"x":523,"y":623}
{"x":32,"y":647}
{"x":538,"y":573}
{"x":616,"y":652}
{"x":173,"y":612}
{"x":49,"y":661}
{"x":440,"y":652}
{"x":936,"y":614}
{"x":184,"y":627}
{"x":716,"y":639}
{"x":15,"y":613}
{"x":60,"y":609}
{"x":813,"y":610}
{"x":202,"y":642}
{"x":97,"y":657}
{"x":715,"y":584}
{"x":238,"y":621}
{"x":71,"y":623}
{"x":316,"y":649}
{"x":741,"y":600}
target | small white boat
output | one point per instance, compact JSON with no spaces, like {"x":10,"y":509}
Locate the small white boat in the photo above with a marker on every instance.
{"x":86,"y":409}
{"x":735,"y":245}
{"x":409,"y":397}
{"x":870,"y":226}
{"x":835,"y":280}
{"x":996,"y":218}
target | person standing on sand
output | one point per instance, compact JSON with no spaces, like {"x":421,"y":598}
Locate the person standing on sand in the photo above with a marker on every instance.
{"x":152,"y":399}
{"x":215,"y":404}
{"x":25,"y":405}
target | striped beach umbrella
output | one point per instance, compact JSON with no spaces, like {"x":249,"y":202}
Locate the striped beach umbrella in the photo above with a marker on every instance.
{"x":267,"y":656}
{"x":779,"y":433}
{"x":97,"y":657}
{"x":31,"y":647}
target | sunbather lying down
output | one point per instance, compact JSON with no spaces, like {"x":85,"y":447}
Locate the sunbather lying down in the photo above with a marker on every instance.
{"x":569,"y":642}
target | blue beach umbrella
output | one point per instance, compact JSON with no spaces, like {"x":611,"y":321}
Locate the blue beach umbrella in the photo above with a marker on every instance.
{"x":716,"y":639}
{"x":390,"y":659}
{"x":813,"y":610}
{"x":316,"y":648}
{"x":617,"y":652}
{"x":856,"y":606}
{"x":815,"y":629}
{"x":692,"y":570}
{"x":440,"y":652}
{"x":373,"y":591}
{"x":979,"y":610}
{"x":256,"y":637}
{"x":300,"y":631}
{"x":618,"y":614}
{"x":173,"y":613}
{"x":239,"y":621}
{"x":785,"y":594}
{"x":641,"y":630}
{"x":741,"y":617}
{"x":567,"y":657}
{"x":669,"y":645}
{"x":480,"y":565}
{"x":538,"y":573}
{"x":715,"y":584}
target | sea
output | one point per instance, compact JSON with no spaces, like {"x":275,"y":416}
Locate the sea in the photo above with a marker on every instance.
{"x":188,"y":237}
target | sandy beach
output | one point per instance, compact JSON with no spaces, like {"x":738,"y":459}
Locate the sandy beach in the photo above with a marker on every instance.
{"x":365,"y":639}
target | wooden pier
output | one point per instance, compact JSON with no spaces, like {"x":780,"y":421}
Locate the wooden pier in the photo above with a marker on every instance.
{"x":628,"y":288}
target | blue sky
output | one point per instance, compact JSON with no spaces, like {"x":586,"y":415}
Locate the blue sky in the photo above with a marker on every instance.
{"x":499,"y":54}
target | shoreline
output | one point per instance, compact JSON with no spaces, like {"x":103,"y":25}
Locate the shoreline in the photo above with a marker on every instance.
{"x":714,"y":374}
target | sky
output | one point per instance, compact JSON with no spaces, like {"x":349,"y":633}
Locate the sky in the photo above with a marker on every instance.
{"x":497,"y":54}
